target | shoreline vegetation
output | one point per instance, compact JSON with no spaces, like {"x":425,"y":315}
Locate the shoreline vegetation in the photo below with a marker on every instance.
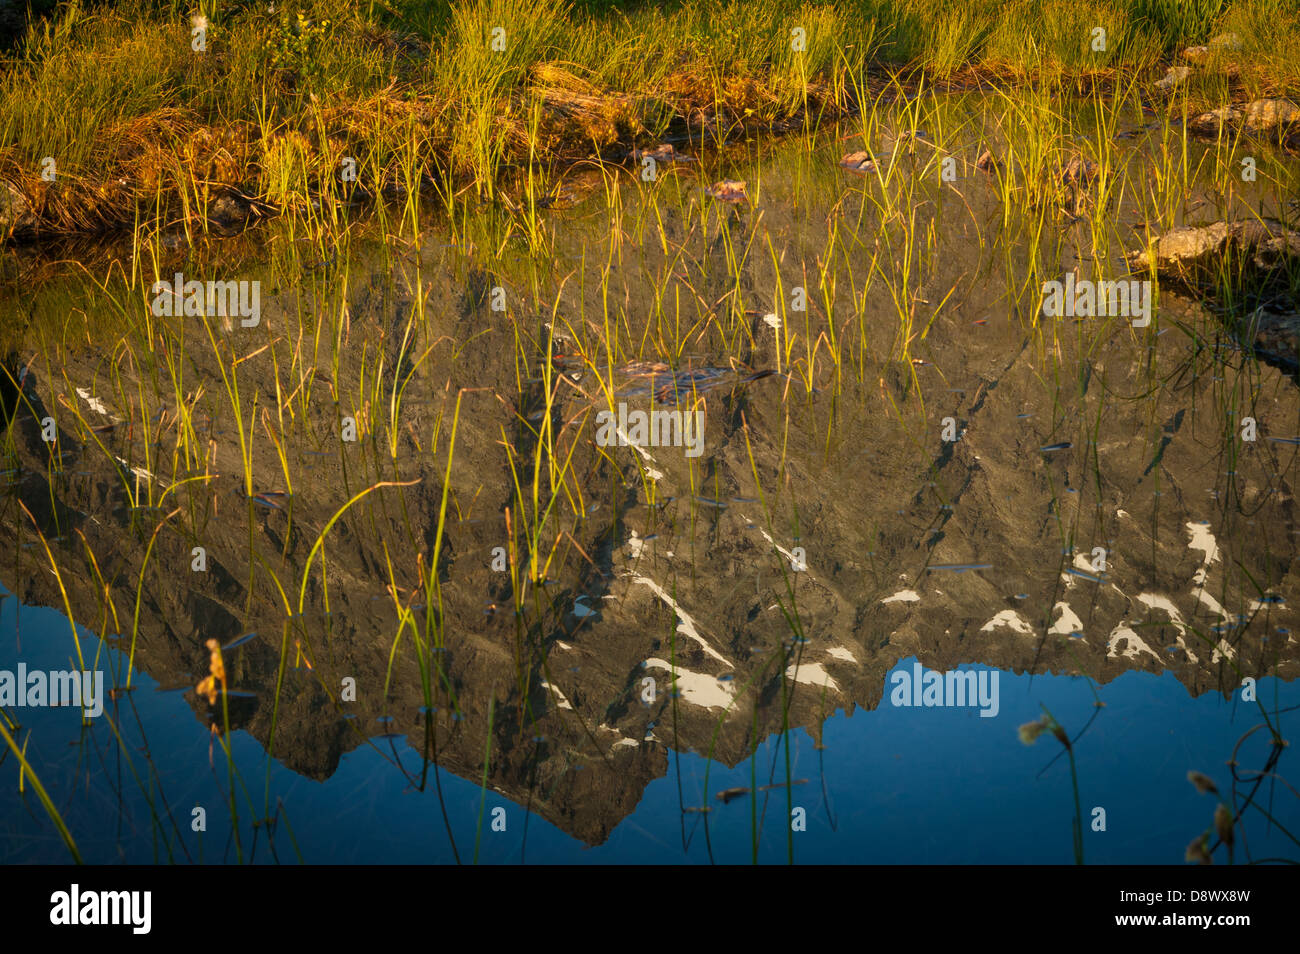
{"x":155,"y":115}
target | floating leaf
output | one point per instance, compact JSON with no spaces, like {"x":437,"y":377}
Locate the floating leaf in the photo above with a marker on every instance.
{"x":729,"y":190}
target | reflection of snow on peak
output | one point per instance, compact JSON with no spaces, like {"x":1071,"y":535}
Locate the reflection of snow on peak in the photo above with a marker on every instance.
{"x":1010,"y":619}
{"x":903,"y":596}
{"x":1203,"y":540}
{"x":1132,"y":647}
{"x":686,"y":624}
{"x":813,"y":674}
{"x":1067,"y":622}
{"x":560,"y":701}
{"x":636,"y":545}
{"x":698,"y":688}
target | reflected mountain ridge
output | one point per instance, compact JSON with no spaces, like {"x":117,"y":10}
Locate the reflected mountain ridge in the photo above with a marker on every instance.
{"x":1096,"y":513}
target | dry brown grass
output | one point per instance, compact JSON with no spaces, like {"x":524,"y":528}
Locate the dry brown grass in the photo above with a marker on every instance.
{"x":165,"y":159}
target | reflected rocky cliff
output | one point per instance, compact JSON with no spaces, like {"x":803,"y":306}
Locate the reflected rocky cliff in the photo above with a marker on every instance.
{"x":1082,"y":500}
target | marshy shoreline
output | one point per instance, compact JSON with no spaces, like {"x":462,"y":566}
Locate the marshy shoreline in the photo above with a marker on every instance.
{"x":138,"y":117}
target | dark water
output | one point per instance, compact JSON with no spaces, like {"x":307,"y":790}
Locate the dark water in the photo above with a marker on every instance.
{"x":917,"y":470}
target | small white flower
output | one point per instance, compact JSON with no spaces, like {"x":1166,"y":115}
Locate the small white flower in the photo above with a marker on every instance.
{"x":199,"y":21}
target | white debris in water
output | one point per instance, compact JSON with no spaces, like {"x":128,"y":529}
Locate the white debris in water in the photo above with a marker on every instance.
{"x":813,"y":674}
{"x":627,"y":441}
{"x":562,"y":644}
{"x":560,"y":701}
{"x":696,"y":688}
{"x":1121,"y":513}
{"x":632,"y":743}
{"x":95,"y":403}
{"x":1010,"y":619}
{"x":581,"y":610}
{"x":772,"y":321}
{"x":138,"y":471}
{"x":1067,"y":622}
{"x":1135,"y":644}
{"x":903,"y":596}
{"x":839,"y":652}
{"x":685,"y":625}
